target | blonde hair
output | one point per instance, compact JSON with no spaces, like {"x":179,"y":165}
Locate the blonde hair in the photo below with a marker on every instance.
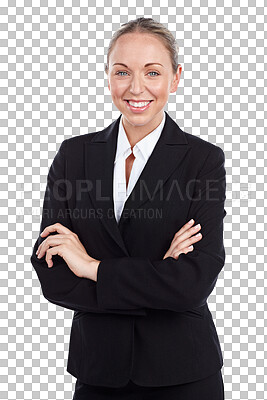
{"x":147,"y":25}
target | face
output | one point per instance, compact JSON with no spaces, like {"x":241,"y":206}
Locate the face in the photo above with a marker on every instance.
{"x":130,"y":79}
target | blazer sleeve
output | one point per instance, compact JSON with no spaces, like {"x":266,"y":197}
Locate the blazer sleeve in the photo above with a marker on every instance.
{"x":59,"y":284}
{"x":174,"y":284}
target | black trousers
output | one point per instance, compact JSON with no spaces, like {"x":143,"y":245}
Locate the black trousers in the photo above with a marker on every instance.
{"x":210,"y":388}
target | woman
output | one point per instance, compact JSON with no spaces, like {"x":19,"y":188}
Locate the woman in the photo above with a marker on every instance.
{"x":118,"y":244}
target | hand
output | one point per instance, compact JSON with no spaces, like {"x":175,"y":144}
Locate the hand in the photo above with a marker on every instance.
{"x":68,"y":246}
{"x":183,"y":239}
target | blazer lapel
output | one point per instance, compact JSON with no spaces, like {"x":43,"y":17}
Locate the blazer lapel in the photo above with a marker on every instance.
{"x":100,"y":152}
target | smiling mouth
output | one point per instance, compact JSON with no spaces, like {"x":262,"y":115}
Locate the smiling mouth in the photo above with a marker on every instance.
{"x":143,"y":101}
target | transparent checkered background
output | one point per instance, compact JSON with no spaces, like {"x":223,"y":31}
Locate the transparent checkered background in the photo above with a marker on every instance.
{"x":53,"y":87}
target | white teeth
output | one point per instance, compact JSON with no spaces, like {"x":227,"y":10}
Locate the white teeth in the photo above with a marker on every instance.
{"x":132,"y":103}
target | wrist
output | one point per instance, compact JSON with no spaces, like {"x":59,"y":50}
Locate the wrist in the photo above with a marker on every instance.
{"x":93,"y":269}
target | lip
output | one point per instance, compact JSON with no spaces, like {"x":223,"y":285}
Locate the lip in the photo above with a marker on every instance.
{"x":137,"y":101}
{"x":138,"y":110}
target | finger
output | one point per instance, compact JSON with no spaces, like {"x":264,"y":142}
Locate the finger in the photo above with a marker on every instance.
{"x":52,"y":252}
{"x":50,"y":239}
{"x":49,"y":260}
{"x":39,"y":248}
{"x":190,"y":231}
{"x":54,"y":240}
{"x":194,"y":229}
{"x":57,"y":227}
{"x":185,"y":250}
{"x":185,"y":228}
{"x":42,"y":249}
{"x":187,"y":234}
{"x":176,"y":254}
{"x":188,"y":242}
{"x":182,"y":244}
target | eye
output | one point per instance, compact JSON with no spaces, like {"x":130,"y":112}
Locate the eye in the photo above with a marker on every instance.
{"x":119,"y":72}
{"x":125,"y":72}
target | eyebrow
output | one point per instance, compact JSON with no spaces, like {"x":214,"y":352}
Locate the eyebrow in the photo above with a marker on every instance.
{"x":145,"y":65}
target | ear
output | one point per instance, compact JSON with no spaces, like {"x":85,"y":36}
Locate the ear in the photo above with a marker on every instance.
{"x":108,"y":82}
{"x":176,"y":79}
{"x":107,"y":74}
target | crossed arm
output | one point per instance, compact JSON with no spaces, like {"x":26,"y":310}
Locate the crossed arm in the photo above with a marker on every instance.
{"x":130,"y":285}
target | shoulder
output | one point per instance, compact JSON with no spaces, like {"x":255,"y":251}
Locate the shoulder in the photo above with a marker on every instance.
{"x":80,"y":139}
{"x":202,"y":147}
{"x":203,"y":155}
{"x":74,"y":145}
{"x":206,"y":159}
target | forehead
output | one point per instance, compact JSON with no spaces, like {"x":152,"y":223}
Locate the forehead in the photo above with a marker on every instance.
{"x":136,"y":46}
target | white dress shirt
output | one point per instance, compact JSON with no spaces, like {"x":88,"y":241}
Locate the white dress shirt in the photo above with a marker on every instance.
{"x":142,"y":151}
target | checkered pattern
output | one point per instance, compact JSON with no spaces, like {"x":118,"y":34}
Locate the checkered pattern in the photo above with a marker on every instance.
{"x":53,"y":86}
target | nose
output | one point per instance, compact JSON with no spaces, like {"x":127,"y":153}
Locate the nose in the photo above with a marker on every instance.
{"x":137,"y":85}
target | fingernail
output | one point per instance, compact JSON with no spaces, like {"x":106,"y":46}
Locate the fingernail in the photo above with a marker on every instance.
{"x":191,"y":221}
{"x":199,"y":234}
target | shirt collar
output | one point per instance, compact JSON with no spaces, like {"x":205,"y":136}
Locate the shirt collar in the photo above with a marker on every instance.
{"x":144,"y":146}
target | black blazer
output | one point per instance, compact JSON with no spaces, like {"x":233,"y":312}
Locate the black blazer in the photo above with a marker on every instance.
{"x":145,"y":319}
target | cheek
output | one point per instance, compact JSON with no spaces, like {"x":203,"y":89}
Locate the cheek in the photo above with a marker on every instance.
{"x":118,"y":86}
{"x":160,"y":90}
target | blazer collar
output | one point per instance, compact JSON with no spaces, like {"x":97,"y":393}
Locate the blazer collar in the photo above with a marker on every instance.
{"x":100,"y":152}
{"x":145,"y":145}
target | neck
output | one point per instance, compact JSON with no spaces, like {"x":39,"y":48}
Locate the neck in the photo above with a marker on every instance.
{"x":136,"y":133}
